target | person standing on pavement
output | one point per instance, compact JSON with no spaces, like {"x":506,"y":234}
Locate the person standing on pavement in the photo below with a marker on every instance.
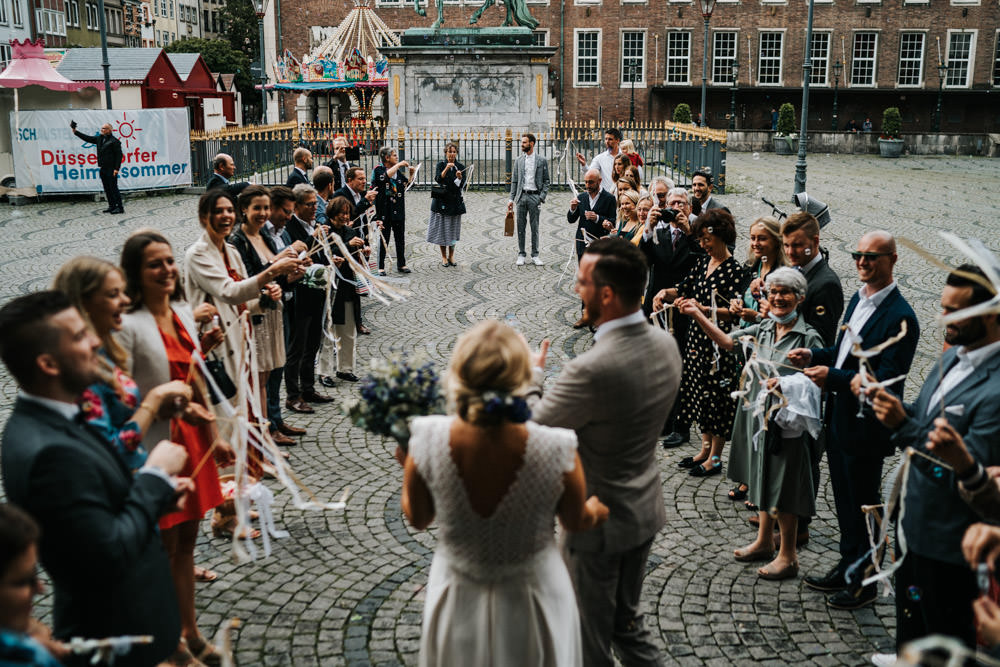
{"x":604,"y":162}
{"x":339,"y":163}
{"x":109,"y":162}
{"x":323,"y":182}
{"x":529,"y":185}
{"x":445,"y":225}
{"x":223,"y":170}
{"x":302,"y":159}
{"x":701,"y":188}
{"x":390,"y":206}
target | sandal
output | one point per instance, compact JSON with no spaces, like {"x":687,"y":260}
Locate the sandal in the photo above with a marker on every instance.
{"x":702,"y":471}
{"x":689,"y":462}
{"x":204,"y":575}
{"x":738,"y":492}
{"x":751,"y":507}
{"x":223,"y":526}
{"x":787,"y":572}
{"x":747,"y":556}
{"x":205,"y":652}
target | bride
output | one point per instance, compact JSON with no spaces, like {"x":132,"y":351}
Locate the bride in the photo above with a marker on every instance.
{"x":498,"y":592}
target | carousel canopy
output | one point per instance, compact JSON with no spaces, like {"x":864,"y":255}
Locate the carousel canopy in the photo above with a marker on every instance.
{"x":29,"y":67}
{"x":361,"y":29}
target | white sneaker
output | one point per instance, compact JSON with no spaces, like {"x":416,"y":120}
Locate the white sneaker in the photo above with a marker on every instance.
{"x":883,"y":659}
{"x":520,"y":260}
{"x":537,"y":262}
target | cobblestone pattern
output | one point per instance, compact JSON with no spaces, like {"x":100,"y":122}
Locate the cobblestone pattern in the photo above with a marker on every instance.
{"x":346,"y":587}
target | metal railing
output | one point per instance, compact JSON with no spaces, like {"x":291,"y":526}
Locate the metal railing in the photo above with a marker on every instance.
{"x":264,"y":153}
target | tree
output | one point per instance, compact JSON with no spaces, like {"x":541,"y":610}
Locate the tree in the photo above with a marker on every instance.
{"x":240,"y":20}
{"x":220,"y":57}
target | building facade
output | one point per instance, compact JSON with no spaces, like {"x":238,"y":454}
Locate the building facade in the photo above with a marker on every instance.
{"x":614,"y":54}
{"x":15,"y":23}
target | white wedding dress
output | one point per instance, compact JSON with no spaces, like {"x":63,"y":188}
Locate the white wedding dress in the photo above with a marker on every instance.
{"x":498,"y":593}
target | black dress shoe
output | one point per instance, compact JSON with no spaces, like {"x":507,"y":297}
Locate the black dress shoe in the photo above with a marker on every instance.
{"x":832,"y":581}
{"x":327,"y":381}
{"x":689,"y":462}
{"x":116,"y":211}
{"x":349,"y":377}
{"x":107,"y":210}
{"x":404,"y":269}
{"x":675,"y":439}
{"x":291,"y":430}
{"x":701,"y":471}
{"x":852,"y":599}
{"x":298,"y":405}
{"x":313,"y":397}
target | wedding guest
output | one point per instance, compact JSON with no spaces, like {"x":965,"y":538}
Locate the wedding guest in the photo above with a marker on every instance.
{"x":629,"y":226}
{"x":445,"y":226}
{"x":766,"y":254}
{"x":390,"y":179}
{"x":346,"y":300}
{"x":628,"y":148}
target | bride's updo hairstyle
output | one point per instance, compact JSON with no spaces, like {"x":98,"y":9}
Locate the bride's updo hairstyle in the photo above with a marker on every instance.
{"x":490,"y":365}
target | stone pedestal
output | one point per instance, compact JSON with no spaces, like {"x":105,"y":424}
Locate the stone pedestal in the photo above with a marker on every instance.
{"x":486,"y":79}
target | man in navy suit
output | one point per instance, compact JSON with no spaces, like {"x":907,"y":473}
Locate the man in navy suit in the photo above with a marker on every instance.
{"x":361,"y":200}
{"x":223,"y":170}
{"x":100,"y":542}
{"x":302,"y":159}
{"x":964,"y":390}
{"x":857,"y":445}
{"x":590,"y":211}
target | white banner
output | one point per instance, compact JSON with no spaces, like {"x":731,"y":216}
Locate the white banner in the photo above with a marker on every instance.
{"x":50,"y":158}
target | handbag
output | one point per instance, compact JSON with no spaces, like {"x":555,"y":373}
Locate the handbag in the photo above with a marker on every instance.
{"x":508,"y":224}
{"x":218,"y":372}
{"x":438,"y":191}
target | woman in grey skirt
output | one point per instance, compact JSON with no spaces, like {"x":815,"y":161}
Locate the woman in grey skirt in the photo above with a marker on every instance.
{"x":445,"y":225}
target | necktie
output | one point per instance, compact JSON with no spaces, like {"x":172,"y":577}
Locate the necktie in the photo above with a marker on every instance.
{"x":675,"y":235}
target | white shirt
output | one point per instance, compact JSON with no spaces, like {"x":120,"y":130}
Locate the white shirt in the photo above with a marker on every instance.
{"x":867,"y":305}
{"x":808,"y":267}
{"x":968,"y":361}
{"x":275,"y":235}
{"x":593,"y":199}
{"x":529,"y":172}
{"x":605,"y":163}
{"x":635,"y":318}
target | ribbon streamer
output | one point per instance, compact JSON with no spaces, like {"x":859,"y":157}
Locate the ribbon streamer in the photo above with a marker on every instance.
{"x":413,"y":177}
{"x":106,"y":650}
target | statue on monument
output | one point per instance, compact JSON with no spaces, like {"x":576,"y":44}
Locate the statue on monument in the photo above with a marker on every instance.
{"x":517,"y":11}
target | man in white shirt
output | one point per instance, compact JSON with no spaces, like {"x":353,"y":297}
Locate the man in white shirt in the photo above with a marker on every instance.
{"x":339,"y":163}
{"x":604,"y":162}
{"x":529,"y":184}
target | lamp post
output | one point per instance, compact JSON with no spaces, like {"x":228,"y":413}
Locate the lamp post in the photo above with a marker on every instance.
{"x":800,"y":164}
{"x":631,"y":76}
{"x":942,"y":69}
{"x":102,"y":24}
{"x":263,"y":72}
{"x":734,"y":68}
{"x":837,"y":68}
{"x":707,"y":7}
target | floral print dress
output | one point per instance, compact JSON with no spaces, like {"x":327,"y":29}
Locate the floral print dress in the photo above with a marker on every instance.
{"x":109,"y":411}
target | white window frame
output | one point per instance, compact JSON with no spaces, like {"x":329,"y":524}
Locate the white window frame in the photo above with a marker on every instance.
{"x":920,"y":64}
{"x":588,"y":2}
{"x":995,"y":74}
{"x":825,"y":62}
{"x":728,"y":79}
{"x":630,"y":2}
{"x":16,"y":14}
{"x":5,"y":55}
{"x":577,"y":32}
{"x":537,"y":2}
{"x":774,"y":2}
{"x":388,"y":3}
{"x":4,"y":16}
{"x":966,"y":3}
{"x":667,"y":58}
{"x":544,"y":32}
{"x":855,"y":60}
{"x":760,"y":57}
{"x":916,"y":2}
{"x":640,"y":82}
{"x":971,"y":61}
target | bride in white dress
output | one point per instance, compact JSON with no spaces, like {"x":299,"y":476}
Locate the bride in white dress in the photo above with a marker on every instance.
{"x":498,"y":592}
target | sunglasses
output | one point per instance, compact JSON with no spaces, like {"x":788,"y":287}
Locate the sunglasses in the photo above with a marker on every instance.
{"x":858,"y":256}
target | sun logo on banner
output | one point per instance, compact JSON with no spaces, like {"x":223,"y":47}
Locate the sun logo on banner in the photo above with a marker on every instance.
{"x":127,"y":130}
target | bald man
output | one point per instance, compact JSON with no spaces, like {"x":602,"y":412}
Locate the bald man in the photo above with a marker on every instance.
{"x":109,"y":161}
{"x":589,"y":210}
{"x":856,"y":446}
{"x":302,"y":160}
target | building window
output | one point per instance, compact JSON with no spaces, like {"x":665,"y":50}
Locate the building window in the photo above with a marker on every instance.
{"x":960,"y":48}
{"x":820,"y":59}
{"x":863,"y":60}
{"x":73,"y":7}
{"x":911,"y":59}
{"x":769,"y":63}
{"x":540,"y":38}
{"x":4,"y":55}
{"x":3,"y":14}
{"x":678,"y":57}
{"x":723,"y":55}
{"x":588,"y":58}
{"x":171,"y":6}
{"x":633,"y":53}
{"x":996,"y":60}
{"x":16,"y":12}
{"x":92,"y":20}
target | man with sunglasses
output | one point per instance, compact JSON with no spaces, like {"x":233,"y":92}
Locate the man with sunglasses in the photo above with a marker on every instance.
{"x":856,"y":446}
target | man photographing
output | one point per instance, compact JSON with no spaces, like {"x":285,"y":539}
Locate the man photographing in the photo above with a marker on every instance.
{"x":109,"y":161}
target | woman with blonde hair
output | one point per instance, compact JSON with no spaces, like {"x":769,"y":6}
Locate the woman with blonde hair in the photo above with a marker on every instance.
{"x":629,"y":225}
{"x":766,"y":254}
{"x":498,"y":590}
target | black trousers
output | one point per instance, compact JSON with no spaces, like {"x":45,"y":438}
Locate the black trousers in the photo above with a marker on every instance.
{"x":395,"y":230}
{"x":934,"y":598}
{"x":855,"y":481}
{"x":307,"y":332}
{"x":111,"y":192}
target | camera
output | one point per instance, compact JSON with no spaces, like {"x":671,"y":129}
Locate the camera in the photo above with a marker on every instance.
{"x":72,"y":124}
{"x":668,"y":214}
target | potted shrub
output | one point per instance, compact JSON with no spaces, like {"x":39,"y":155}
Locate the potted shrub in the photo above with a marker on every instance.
{"x":889,"y":143}
{"x":682,"y":114}
{"x":786,"y":140}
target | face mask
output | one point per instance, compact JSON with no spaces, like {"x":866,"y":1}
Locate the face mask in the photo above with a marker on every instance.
{"x":783,"y":320}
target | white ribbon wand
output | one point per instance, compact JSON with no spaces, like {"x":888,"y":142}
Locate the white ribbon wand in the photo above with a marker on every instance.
{"x":413,"y":177}
{"x":465,"y":177}
{"x":864,"y":370}
{"x":106,"y":650}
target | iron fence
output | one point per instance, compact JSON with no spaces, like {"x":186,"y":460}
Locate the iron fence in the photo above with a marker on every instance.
{"x":264,"y":154}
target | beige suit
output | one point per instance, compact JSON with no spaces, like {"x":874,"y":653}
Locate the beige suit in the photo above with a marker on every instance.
{"x":616,"y":397}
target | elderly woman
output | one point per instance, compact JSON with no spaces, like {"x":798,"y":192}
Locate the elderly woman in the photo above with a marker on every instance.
{"x":777,"y":467}
{"x":766,"y":253}
{"x":710,"y":374}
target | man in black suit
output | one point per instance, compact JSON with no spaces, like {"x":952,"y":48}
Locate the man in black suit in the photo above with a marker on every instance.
{"x":307,"y":316}
{"x":590,"y":211}
{"x":302,"y":159}
{"x":100,"y":542}
{"x":701,"y":188}
{"x":361,"y":200}
{"x":223,"y":170}
{"x":857,"y":445}
{"x":339,"y":163}
{"x":109,"y":161}
{"x":824,"y":300}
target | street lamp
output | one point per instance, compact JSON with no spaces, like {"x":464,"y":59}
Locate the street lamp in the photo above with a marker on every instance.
{"x":707,"y":7}
{"x":734,"y":68}
{"x":837,"y":68}
{"x":800,"y":164}
{"x":261,"y":10}
{"x":631,"y":75}
{"x":942,"y":69}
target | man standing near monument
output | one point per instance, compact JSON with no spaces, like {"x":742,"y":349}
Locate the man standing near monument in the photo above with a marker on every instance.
{"x":529,"y":184}
{"x":109,"y":161}
{"x":605,"y":162}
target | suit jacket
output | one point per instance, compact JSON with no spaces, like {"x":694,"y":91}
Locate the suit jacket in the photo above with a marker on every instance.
{"x":667,"y":265}
{"x":99,"y":541}
{"x":824,"y":301}
{"x":109,"y":149}
{"x":296,"y":177}
{"x":616,"y":397}
{"x":605,"y":208}
{"x":234,"y":189}
{"x":866,"y":436}
{"x":348,"y":194}
{"x":308,"y":298}
{"x":714,"y":203}
{"x":338,"y":182}
{"x":935,"y":517}
{"x":541,"y":177}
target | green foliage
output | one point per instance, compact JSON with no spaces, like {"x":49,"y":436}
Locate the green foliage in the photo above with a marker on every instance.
{"x":786,"y":119}
{"x":892,"y":123}
{"x":241,"y":28}
{"x":682,"y":113}
{"x":220,"y":57}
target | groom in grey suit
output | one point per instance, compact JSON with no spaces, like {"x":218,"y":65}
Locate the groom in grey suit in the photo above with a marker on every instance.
{"x":529,"y":184}
{"x":616,"y":397}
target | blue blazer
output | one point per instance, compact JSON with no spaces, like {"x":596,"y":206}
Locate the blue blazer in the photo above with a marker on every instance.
{"x":866,"y":436}
{"x":935,"y":516}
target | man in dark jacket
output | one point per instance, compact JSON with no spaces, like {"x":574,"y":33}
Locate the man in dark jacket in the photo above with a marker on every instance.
{"x":109,"y":160}
{"x":223,"y":171}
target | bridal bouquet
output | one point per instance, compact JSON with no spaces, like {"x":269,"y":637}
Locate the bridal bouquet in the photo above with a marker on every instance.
{"x":395,"y":390}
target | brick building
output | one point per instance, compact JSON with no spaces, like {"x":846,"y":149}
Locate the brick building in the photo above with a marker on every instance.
{"x":888,"y":50}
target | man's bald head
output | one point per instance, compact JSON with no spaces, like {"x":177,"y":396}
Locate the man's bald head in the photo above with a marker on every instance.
{"x":323,"y":181}
{"x":592,"y":181}
{"x":875,"y":260}
{"x":885,"y":240}
{"x":303,"y":158}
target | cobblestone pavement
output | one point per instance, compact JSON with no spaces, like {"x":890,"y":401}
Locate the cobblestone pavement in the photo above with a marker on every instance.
{"x":346,"y":588}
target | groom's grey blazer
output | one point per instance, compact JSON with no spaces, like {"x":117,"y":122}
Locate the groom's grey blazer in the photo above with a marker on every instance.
{"x":541,"y":178}
{"x":616,"y":397}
